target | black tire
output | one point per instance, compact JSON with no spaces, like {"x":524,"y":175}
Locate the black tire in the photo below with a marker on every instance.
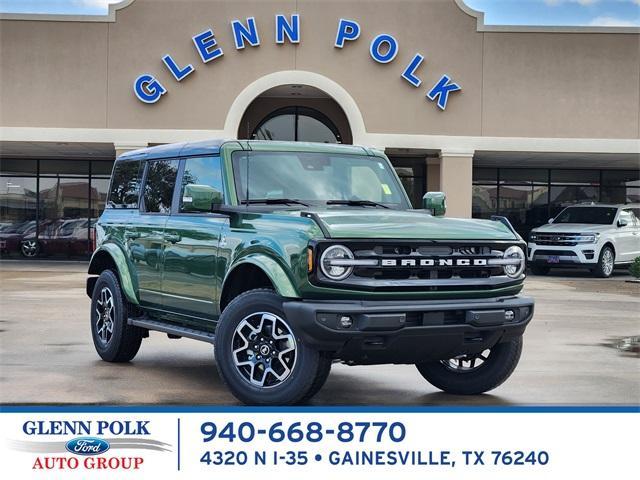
{"x":498,"y":366}
{"x":601,"y":270}
{"x":321,"y":378}
{"x":124,"y":341}
{"x":305,"y":373}
{"x":539,"y":270}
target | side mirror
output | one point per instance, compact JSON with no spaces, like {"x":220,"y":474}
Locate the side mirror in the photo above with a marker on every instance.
{"x":200,"y":198}
{"x":550,"y":221}
{"x":436,"y":202}
{"x":622,"y":222}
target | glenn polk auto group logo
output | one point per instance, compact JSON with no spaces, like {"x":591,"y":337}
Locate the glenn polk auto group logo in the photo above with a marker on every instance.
{"x":94,"y":445}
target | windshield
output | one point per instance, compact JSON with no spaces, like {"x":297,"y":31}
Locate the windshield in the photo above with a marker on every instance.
{"x":592,"y":215}
{"x":313,"y":178}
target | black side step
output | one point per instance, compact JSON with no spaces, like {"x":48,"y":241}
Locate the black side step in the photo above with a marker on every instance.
{"x":177,"y":330}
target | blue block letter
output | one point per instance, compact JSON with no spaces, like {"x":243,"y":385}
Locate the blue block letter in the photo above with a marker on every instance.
{"x":205,"y":43}
{"x":392,"y":48}
{"x":242,"y":33}
{"x":179,"y":73}
{"x":148,"y":89}
{"x":291,"y":30}
{"x":442,"y":90}
{"x":409,"y":73}
{"x":347,"y":30}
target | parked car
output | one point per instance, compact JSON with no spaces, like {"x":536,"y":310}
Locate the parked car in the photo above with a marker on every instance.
{"x":12,"y":236}
{"x":67,"y":237}
{"x":290,"y":256}
{"x":595,"y":236}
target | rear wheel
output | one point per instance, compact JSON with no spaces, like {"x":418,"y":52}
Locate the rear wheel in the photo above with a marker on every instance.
{"x":606,"y":261}
{"x":114,"y":339}
{"x":260,"y":357}
{"x":539,"y":270}
{"x":474,"y":374}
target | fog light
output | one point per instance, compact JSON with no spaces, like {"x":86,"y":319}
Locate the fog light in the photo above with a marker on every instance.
{"x":346,"y":322}
{"x":509,"y":315}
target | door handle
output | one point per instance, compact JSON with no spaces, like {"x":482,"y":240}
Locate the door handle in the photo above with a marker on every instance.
{"x":131,"y":234}
{"x":172,"y":237}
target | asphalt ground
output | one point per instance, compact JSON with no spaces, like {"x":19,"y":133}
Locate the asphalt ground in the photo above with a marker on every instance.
{"x":580,"y":348}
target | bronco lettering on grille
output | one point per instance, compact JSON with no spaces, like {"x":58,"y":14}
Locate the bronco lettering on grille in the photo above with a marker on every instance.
{"x":433,"y":262}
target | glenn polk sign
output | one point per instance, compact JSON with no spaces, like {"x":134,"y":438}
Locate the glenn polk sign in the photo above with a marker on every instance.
{"x":383,"y":49}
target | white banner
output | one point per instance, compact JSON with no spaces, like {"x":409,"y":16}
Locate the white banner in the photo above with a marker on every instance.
{"x":371,"y":444}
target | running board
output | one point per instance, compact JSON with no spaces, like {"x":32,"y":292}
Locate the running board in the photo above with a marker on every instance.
{"x":169,"y":329}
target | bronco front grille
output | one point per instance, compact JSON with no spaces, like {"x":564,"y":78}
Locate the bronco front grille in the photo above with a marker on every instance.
{"x":421,"y":266}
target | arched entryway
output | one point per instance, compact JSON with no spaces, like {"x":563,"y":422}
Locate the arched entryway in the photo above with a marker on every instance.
{"x":295,"y":112}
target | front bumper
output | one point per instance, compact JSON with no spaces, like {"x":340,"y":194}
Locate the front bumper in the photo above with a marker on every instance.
{"x":409,"y":331}
{"x":556,"y":255}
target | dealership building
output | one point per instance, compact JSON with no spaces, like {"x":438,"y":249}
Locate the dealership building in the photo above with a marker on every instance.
{"x":510,"y":120}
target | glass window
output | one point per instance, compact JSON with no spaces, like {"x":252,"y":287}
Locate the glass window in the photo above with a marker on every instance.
{"x":485,"y":175}
{"x":627,"y":216}
{"x":485,"y":201}
{"x":562,"y":197}
{"x":316,"y":177}
{"x":524,"y":175}
{"x":576,"y":177}
{"x":18,"y":166}
{"x":621,"y":178}
{"x":98,"y":196}
{"x":63,"y":227}
{"x":524,"y":206}
{"x":125,"y":185}
{"x":64,"y":167}
{"x":18,"y":199}
{"x":201,"y":171}
{"x":158,"y":188}
{"x":300,"y":124}
{"x":281,"y":127}
{"x":620,"y":195}
{"x":412,"y":173}
{"x":101,"y":168}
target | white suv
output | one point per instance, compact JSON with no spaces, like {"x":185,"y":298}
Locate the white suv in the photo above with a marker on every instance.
{"x":594,"y":236}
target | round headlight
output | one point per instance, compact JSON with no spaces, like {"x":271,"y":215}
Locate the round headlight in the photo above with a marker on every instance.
{"x":330,"y":262}
{"x":514,"y":253}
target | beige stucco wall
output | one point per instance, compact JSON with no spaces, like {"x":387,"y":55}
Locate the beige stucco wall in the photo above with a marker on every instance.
{"x":80,"y":74}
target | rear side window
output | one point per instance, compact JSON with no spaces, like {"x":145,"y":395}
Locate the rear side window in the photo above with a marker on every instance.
{"x":158,"y":187}
{"x":125,"y":185}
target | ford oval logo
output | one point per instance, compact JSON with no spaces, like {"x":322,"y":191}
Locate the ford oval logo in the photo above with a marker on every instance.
{"x":87,"y":446}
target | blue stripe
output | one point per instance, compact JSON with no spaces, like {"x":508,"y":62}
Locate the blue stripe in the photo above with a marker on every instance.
{"x":309,"y":409}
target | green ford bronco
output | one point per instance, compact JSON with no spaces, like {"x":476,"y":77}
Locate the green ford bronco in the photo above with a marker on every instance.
{"x":289,"y":256}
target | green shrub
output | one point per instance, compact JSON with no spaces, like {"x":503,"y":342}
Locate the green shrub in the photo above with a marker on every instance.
{"x":634,"y":269}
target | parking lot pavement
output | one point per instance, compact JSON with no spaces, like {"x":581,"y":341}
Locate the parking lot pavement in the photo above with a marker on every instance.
{"x":570,"y":356}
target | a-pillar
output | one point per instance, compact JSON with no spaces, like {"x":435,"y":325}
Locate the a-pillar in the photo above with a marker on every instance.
{"x":456,"y":175}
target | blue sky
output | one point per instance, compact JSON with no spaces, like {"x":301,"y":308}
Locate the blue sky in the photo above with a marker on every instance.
{"x":499,"y":12}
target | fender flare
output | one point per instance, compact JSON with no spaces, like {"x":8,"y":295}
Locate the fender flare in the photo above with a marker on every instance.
{"x":127,"y":281}
{"x":276,"y":273}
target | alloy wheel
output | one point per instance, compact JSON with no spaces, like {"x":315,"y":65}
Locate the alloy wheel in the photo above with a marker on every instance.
{"x":467,"y":363}
{"x":105,"y":311}
{"x":29,"y":248}
{"x":607,"y":262}
{"x":264,"y":349}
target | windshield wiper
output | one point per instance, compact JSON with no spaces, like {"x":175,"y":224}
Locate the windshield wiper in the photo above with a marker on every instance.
{"x":273,"y":201}
{"x":356,"y":203}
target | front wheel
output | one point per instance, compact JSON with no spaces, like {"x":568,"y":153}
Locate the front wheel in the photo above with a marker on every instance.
{"x":606,"y":261}
{"x":474,"y":374}
{"x":260,"y":357}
